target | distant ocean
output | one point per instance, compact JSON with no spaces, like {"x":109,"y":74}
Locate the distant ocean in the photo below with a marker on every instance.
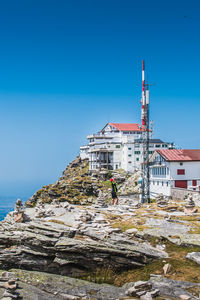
{"x":7,"y":204}
{"x":4,"y":211}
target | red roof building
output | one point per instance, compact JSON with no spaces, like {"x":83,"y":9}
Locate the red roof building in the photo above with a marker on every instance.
{"x":180,"y":155}
{"x":174,"y":170}
{"x":127,"y":126}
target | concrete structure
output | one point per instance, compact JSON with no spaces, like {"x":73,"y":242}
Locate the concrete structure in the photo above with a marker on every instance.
{"x":173,"y":168}
{"x":84,"y":152}
{"x":118,"y":145}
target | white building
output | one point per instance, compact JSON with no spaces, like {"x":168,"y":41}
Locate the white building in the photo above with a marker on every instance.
{"x":118,"y":145}
{"x":173,"y":168}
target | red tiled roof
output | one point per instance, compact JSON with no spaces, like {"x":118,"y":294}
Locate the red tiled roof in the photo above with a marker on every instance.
{"x":180,"y":155}
{"x":127,"y":126}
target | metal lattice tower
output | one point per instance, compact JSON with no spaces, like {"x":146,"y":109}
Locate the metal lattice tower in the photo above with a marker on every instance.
{"x":145,"y":140}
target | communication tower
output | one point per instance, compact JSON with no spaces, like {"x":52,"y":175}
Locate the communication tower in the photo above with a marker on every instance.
{"x":145,"y":140}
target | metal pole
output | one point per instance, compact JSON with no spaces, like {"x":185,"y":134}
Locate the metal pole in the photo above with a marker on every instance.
{"x":145,"y":187}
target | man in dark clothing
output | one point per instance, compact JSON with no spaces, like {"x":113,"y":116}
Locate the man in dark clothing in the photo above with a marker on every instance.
{"x":114,"y":191}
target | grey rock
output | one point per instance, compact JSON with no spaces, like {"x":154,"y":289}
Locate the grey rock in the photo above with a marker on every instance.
{"x":139,"y":289}
{"x":171,"y":288}
{"x":131,"y":231}
{"x":69,"y":297}
{"x":154,"y":293}
{"x":194,"y":256}
{"x":147,"y":296}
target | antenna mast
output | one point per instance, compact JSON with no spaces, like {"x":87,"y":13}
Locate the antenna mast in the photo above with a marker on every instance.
{"x":145,"y":139}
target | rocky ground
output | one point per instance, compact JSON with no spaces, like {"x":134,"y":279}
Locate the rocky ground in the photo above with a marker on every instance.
{"x":59,"y":249}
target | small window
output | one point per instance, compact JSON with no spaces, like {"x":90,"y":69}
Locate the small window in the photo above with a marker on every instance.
{"x":181,"y":172}
{"x":162,"y":183}
{"x":157,"y":182}
{"x":116,"y":166}
{"x":167,"y":183}
{"x":194,"y":182}
{"x":129,"y":148}
{"x":137,"y":152}
{"x":157,"y":146}
{"x":129,"y":162}
{"x":129,"y":155}
{"x":181,"y":164}
{"x":137,"y":159}
{"x":117,"y":146}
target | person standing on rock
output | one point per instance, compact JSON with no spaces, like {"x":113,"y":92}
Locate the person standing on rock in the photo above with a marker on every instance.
{"x":114,"y":191}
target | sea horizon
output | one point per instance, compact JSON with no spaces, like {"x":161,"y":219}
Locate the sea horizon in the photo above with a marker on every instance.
{"x":7,"y":204}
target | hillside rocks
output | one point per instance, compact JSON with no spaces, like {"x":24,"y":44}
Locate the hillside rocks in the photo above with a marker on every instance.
{"x":70,"y":229}
{"x":78,"y":186}
{"x":43,"y":286}
{"x":130,"y":186}
{"x":61,"y":249}
{"x":8,"y":281}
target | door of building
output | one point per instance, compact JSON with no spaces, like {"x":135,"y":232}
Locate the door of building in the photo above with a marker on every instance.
{"x":181,"y":184}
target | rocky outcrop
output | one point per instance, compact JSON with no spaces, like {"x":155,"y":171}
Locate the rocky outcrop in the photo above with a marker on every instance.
{"x":78,"y":186}
{"x":53,"y":234}
{"x":75,"y":186}
{"x":174,"y":288}
{"x":43,"y":286}
{"x":69,"y":251}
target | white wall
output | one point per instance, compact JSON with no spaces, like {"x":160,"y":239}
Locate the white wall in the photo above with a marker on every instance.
{"x":160,"y":187}
{"x":192,"y":170}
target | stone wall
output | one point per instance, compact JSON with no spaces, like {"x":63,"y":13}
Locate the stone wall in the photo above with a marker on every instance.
{"x":178,"y":193}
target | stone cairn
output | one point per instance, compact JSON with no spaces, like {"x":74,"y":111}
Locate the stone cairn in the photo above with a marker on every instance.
{"x":101,"y":200}
{"x":86,"y":217}
{"x":41,"y":212}
{"x":161,"y":201}
{"x":18,"y":213}
{"x":8,"y":281}
{"x":190,"y":205}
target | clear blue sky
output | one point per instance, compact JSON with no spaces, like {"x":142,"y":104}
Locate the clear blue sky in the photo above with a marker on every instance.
{"x":67,"y":67}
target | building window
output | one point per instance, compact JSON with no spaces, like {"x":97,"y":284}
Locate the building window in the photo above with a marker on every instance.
{"x":157,"y":146}
{"x":129,"y":162}
{"x":129,"y":155}
{"x":137,"y":152}
{"x":116,"y":166}
{"x":129,"y":148}
{"x":157,"y":182}
{"x":167,"y":183}
{"x":117,"y":146}
{"x":137,"y":159}
{"x":162,"y":183}
{"x":194,"y":182}
{"x":181,"y":172}
{"x":181,"y":164}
